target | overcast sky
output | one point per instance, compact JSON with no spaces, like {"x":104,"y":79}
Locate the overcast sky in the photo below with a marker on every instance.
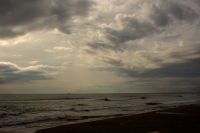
{"x":90,"y":46}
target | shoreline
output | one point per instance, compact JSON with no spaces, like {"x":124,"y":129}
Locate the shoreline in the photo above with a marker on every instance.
{"x":184,"y":118}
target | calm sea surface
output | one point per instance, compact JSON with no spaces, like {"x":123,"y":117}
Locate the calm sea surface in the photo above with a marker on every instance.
{"x":25,"y":113}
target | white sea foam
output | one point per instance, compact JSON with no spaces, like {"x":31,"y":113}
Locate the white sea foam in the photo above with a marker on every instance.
{"x":181,"y":102}
{"x":185,"y":95}
{"x":105,"y":107}
{"x":25,"y":120}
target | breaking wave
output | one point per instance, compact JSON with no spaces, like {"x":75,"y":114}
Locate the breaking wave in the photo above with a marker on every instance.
{"x":19,"y":121}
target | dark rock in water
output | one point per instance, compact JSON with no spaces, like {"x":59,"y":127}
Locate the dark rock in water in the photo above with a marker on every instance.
{"x":153,"y":103}
{"x":180,"y":96}
{"x":106,"y":99}
{"x":143,"y":97}
{"x":81,"y":104}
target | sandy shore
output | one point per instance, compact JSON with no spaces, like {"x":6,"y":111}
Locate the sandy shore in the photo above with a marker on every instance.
{"x":183,"y":119}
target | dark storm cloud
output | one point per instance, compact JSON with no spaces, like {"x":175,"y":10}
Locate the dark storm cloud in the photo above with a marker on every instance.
{"x":158,"y":16}
{"x":11,"y":73}
{"x":14,"y":13}
{"x":187,"y":69}
{"x":21,"y":16}
{"x":132,"y":29}
{"x":178,"y":10}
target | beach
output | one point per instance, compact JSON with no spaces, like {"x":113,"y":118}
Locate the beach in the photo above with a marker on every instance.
{"x":180,"y":119}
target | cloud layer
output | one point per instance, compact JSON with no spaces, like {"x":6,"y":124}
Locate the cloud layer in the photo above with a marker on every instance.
{"x":135,"y":43}
{"x":149,"y":20}
{"x":11,"y":73}
{"x":20,"y":17}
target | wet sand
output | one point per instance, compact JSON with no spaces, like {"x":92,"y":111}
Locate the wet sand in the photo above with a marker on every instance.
{"x":182,"y":119}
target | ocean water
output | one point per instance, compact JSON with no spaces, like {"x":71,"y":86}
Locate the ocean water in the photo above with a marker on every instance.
{"x":26,"y":113}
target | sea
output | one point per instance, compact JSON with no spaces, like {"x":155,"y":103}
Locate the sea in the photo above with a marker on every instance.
{"x":26,"y":113}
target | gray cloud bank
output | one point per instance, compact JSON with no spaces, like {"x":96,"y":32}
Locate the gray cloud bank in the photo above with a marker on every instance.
{"x":157,"y":17}
{"x":181,"y":72}
{"x":11,"y":73}
{"x":21,"y":16}
{"x":132,"y":27}
{"x":187,"y":69}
